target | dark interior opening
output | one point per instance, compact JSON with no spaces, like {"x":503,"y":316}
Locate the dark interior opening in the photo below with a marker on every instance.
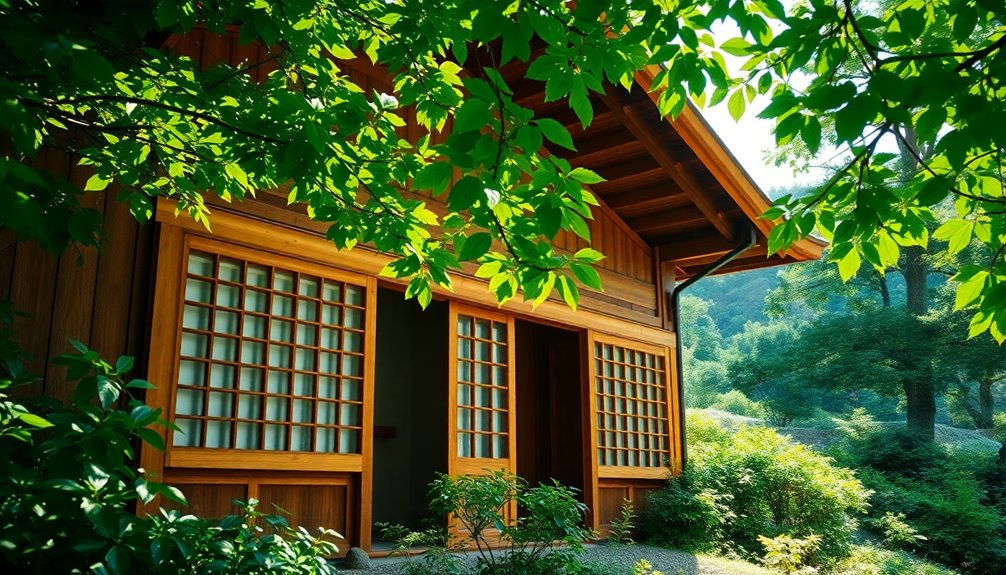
{"x":410,"y":408}
{"x":549,"y":405}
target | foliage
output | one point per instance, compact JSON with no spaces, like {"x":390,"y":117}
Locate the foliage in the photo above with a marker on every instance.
{"x":643,"y":567}
{"x":789,"y":554}
{"x":895,"y":531}
{"x":622,"y":526}
{"x":436,"y":542}
{"x":763,"y":368}
{"x":551,"y":515}
{"x":873,"y":560}
{"x":96,"y":83}
{"x":734,"y":401}
{"x":923,"y":76}
{"x":69,"y":487}
{"x":755,"y":483}
{"x":951,"y":500}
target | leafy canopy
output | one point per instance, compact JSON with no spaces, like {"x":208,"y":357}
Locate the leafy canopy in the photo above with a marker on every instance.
{"x":96,"y":81}
{"x":92,"y":79}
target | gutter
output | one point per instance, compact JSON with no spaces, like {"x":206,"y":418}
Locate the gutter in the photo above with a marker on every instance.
{"x":746,"y":244}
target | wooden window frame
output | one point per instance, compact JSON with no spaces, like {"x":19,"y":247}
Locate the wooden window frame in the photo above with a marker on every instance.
{"x":166,"y":341}
{"x":459,"y":465}
{"x":670,"y":406}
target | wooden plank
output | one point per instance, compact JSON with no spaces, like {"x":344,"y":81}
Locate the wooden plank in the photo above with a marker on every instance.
{"x":367,"y":451}
{"x":110,"y":320}
{"x":73,"y":302}
{"x":6,"y":270}
{"x":589,"y":409}
{"x":638,"y":126}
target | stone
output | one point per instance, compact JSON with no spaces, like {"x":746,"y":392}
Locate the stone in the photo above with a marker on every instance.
{"x":357,"y":559}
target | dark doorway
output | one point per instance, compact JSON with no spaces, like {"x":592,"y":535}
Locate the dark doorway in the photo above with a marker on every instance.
{"x":410,"y":408}
{"x":549,"y":405}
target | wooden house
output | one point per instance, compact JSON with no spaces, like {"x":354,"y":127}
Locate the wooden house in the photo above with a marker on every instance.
{"x":302,"y":379}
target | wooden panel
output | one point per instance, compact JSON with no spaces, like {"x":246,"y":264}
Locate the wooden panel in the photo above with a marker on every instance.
{"x":210,"y":500}
{"x":613,"y":493}
{"x":110,"y":319}
{"x":309,"y":506}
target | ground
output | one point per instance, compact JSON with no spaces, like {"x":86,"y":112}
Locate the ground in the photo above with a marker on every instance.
{"x":618,"y":560}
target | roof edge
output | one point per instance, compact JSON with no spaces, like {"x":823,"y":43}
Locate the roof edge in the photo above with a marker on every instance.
{"x":714,"y":154}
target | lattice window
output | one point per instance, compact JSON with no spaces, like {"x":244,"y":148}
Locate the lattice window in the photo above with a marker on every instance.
{"x":631,"y":396}
{"x":270,"y":359}
{"x":483,"y":387}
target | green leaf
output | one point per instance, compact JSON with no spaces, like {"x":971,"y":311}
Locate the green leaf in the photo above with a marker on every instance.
{"x":957,"y":233}
{"x":96,"y":183}
{"x":585,"y":176}
{"x":555,"y":132}
{"x":587,"y":275}
{"x":849,"y":265}
{"x":736,"y":105}
{"x":466,"y":193}
{"x":34,"y":420}
{"x":736,"y":47}
{"x":589,"y":255}
{"x":434,"y":176}
{"x":970,"y":290}
{"x":473,"y":115}
{"x":475,"y":246}
{"x":569,"y":292}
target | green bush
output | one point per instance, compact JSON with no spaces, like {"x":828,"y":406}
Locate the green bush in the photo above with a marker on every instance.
{"x":69,"y":488}
{"x":755,"y":483}
{"x":951,"y":500}
{"x":737,"y":403}
{"x":545,"y":539}
{"x":872,"y":560}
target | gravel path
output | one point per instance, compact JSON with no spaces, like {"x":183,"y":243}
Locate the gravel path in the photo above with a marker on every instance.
{"x":618,"y":560}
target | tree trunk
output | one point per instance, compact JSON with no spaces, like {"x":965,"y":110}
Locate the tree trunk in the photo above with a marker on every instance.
{"x":885,"y":292}
{"x":921,"y":396}
{"x":986,"y":405}
{"x":915,"y":269}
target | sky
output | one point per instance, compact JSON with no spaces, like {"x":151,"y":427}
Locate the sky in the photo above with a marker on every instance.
{"x":748,"y":140}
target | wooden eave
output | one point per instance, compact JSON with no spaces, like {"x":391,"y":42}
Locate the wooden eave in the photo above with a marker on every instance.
{"x":673,"y":183}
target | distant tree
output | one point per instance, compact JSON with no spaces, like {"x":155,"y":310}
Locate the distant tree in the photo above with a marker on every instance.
{"x":763,"y":366}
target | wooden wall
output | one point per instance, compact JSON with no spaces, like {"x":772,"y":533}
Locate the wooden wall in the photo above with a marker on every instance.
{"x":627,"y":272}
{"x":98,"y":297}
{"x":612,"y":492}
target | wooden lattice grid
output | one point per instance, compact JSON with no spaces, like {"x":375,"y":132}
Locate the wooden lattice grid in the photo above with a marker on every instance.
{"x":269,"y":358}
{"x":631,"y":401}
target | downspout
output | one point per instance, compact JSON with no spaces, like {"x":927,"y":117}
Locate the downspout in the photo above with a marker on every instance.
{"x":745,"y":245}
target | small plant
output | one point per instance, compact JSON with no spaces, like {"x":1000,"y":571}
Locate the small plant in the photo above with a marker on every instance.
{"x":545,"y":540}
{"x":897,"y":533}
{"x":623,"y":525}
{"x":789,"y":555}
{"x":436,"y":558}
{"x":643,"y":567}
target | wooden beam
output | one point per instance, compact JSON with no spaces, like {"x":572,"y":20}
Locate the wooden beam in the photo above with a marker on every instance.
{"x":645,"y":200}
{"x":652,"y":177}
{"x":667,"y":220}
{"x":675,"y":169}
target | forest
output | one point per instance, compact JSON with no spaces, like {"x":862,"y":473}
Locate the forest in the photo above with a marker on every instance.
{"x":839,"y":367}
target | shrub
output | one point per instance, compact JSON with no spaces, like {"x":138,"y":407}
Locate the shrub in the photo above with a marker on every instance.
{"x":788,"y":554}
{"x":551,"y":515}
{"x":873,"y":560}
{"x":950,"y":499}
{"x":737,"y":403}
{"x":623,"y":525}
{"x":896,"y":532}
{"x":69,"y":488}
{"x":757,"y":483}
{"x":435,"y":560}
